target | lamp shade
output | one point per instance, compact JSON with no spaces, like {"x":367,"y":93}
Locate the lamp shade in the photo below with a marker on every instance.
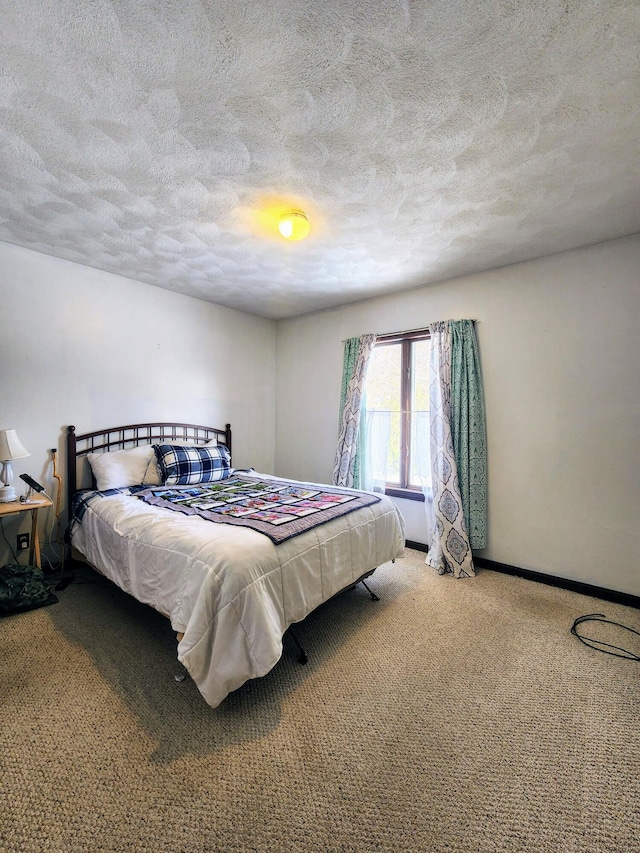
{"x":294,"y":225}
{"x":10,"y":446}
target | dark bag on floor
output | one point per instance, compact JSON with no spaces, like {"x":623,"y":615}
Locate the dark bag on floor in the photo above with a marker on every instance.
{"x":23,"y":588}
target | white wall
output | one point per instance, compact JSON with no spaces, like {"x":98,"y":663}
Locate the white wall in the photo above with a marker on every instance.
{"x":84,"y":347}
{"x":561,"y":364}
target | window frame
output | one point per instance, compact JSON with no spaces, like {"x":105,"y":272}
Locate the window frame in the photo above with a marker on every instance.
{"x":405,"y":340}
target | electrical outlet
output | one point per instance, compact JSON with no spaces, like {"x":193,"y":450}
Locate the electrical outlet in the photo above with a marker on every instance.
{"x":23,"y":541}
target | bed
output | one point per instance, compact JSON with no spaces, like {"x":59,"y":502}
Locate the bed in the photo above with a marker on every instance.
{"x":230,"y":587}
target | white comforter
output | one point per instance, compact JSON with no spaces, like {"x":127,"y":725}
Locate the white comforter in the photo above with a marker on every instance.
{"x":230,"y":590}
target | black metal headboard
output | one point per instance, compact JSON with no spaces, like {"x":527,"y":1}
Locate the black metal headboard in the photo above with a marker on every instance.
{"x":125,"y":437}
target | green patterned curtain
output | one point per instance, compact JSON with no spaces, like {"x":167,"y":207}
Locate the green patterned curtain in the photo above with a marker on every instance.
{"x":348,"y":367}
{"x":468,"y":428}
{"x":350,"y":452}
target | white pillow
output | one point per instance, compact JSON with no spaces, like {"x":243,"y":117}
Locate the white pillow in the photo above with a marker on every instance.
{"x":123,"y":468}
{"x":132,"y":467}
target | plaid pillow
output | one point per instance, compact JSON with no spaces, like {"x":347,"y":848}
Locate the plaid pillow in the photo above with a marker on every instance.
{"x":187,"y":466}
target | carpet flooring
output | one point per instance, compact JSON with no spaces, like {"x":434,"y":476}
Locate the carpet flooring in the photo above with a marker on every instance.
{"x":452,"y":715}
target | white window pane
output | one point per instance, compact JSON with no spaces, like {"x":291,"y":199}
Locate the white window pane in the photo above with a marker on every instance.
{"x":393,"y":461}
{"x":420,"y":473}
{"x":383,"y":394}
{"x":383,"y":378}
{"x":420,"y":355}
{"x":420,"y":469}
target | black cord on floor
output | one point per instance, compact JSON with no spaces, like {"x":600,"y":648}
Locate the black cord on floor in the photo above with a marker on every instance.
{"x":593,"y":643}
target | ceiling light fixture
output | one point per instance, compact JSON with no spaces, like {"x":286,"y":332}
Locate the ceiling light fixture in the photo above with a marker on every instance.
{"x":294,"y":225}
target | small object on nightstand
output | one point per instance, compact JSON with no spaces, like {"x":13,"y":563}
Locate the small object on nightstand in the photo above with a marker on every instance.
{"x":34,"y":486}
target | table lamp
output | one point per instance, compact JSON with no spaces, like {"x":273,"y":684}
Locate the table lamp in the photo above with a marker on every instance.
{"x":10,"y":448}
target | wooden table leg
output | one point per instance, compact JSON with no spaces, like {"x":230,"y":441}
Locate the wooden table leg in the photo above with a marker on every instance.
{"x":34,"y":553}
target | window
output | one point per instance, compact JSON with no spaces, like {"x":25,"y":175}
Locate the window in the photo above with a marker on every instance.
{"x":398,"y":383}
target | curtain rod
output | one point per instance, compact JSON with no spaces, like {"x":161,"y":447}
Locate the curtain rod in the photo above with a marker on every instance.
{"x":405,"y":332}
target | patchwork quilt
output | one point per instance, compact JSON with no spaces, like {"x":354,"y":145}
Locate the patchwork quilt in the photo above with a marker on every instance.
{"x":280,"y":509}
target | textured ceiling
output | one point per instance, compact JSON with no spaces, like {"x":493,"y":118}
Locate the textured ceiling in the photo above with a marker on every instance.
{"x":158,"y":139}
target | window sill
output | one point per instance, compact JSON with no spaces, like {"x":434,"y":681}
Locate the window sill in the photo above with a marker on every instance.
{"x":406,"y":494}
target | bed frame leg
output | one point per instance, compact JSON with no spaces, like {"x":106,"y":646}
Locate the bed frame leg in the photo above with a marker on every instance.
{"x":302,"y":656}
{"x":374,"y":597}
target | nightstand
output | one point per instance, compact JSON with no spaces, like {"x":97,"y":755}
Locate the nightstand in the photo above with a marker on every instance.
{"x":15,"y":507}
